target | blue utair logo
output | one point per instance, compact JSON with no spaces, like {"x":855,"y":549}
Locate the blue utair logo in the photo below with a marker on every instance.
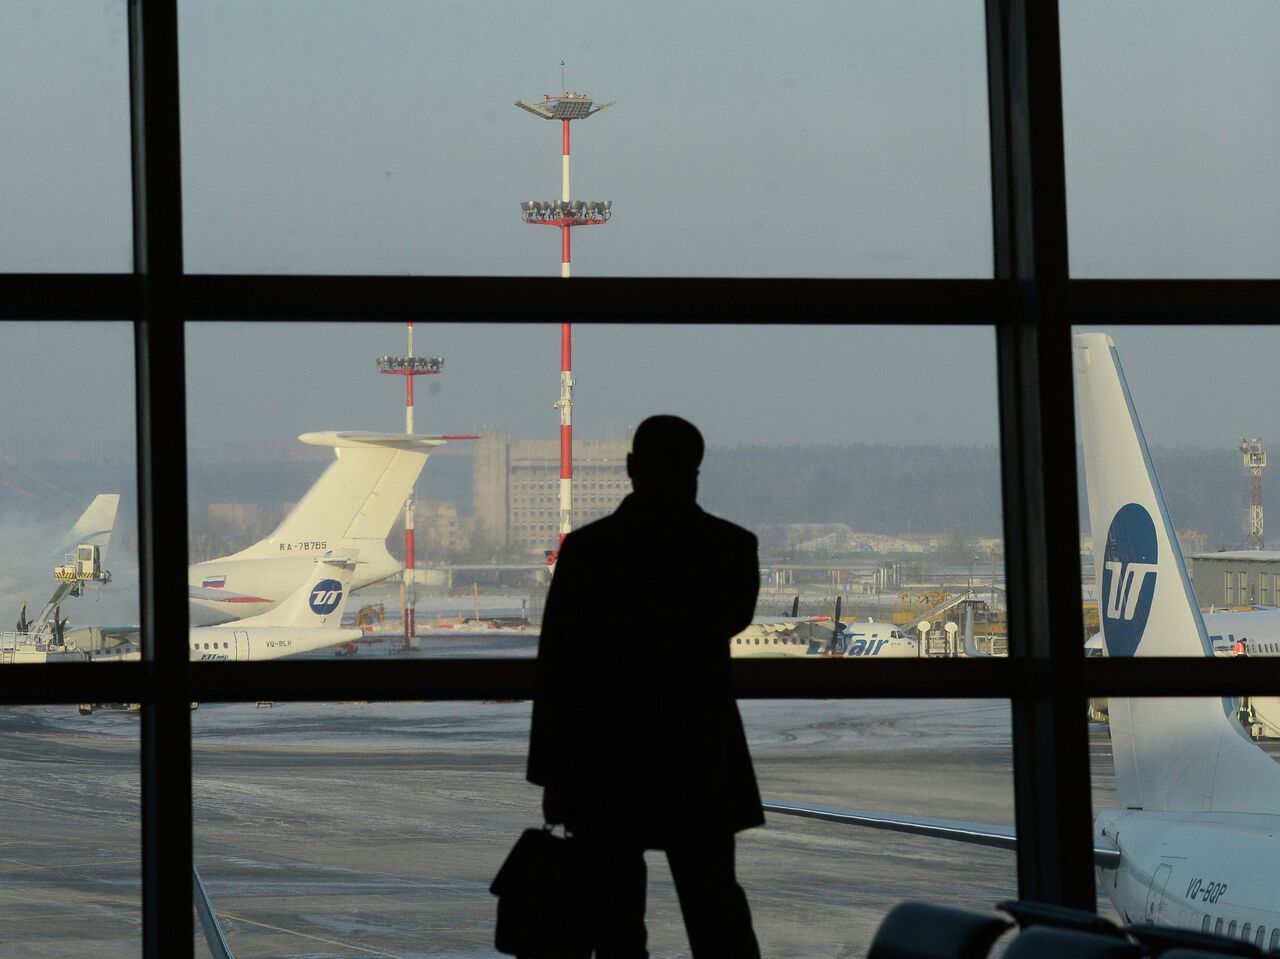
{"x":1128,"y":578}
{"x":325,"y":596}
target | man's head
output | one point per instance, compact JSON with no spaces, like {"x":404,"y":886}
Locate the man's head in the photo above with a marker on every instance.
{"x":666,"y":452}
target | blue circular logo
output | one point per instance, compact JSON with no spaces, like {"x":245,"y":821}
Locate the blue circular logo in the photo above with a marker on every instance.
{"x":325,"y":596}
{"x":1129,"y":563}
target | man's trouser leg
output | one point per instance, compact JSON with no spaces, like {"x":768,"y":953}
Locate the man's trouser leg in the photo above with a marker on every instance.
{"x":617,"y":882}
{"x":714,"y":906}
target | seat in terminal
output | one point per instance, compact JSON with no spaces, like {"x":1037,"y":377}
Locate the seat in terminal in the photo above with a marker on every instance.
{"x":1171,"y":942}
{"x":1181,"y":953}
{"x":917,"y":930}
{"x":1027,"y":913}
{"x":1050,"y":942}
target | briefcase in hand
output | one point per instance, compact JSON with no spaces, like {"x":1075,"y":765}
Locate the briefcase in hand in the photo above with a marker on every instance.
{"x":541,"y":899}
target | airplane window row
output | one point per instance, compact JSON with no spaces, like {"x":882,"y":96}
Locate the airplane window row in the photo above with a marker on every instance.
{"x":1246,"y":932}
{"x":215,"y":646}
{"x":771,"y":641}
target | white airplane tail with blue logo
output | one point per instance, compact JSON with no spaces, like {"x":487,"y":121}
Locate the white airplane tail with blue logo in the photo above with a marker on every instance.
{"x":1170,"y":754}
{"x":319,"y":601}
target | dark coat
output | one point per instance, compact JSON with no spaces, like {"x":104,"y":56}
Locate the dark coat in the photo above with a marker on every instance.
{"x":634,"y":722}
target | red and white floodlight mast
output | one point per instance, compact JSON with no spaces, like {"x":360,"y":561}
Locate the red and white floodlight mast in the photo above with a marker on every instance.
{"x":409,"y":366}
{"x":565,"y":214}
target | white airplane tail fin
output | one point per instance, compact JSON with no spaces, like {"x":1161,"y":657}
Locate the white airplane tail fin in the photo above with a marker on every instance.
{"x":355,"y":502}
{"x":319,"y":601}
{"x":1170,"y":754}
{"x":93,"y":527}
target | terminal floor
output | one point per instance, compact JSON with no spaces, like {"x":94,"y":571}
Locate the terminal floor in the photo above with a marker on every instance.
{"x":327,"y":830}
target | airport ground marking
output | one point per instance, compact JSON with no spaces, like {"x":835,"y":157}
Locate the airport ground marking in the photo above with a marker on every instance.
{"x":307,"y":935}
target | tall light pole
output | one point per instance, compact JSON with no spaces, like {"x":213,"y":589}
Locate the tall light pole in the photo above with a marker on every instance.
{"x":566,"y":214}
{"x":409,"y":366}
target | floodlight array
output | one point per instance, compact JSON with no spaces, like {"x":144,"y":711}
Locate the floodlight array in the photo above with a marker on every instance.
{"x":410,"y":364}
{"x":549,"y":211}
{"x":569,"y":106}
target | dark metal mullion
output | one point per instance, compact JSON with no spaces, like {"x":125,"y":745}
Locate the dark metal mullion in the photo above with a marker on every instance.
{"x":502,"y":679}
{"x":616,"y":299}
{"x":1174,"y":302}
{"x":59,"y":683}
{"x":59,"y":297}
{"x":453,"y":679}
{"x":1182,"y":676}
{"x":162,"y":481}
{"x":87,"y":296}
{"x":1050,"y":744}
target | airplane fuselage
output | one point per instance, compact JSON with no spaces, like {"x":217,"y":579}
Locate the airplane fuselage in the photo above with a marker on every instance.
{"x":1261,"y":627}
{"x":230,"y":643}
{"x":813,"y":638}
{"x":1214,"y":871}
{"x":234,"y":644}
{"x":254,"y":586}
{"x":883,"y":640}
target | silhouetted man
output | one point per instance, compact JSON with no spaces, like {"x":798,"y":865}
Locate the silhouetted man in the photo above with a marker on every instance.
{"x":636,"y":736}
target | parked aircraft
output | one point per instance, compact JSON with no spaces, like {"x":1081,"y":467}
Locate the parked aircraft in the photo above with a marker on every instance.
{"x":308,"y":619}
{"x":828,"y":636}
{"x":352,"y":506}
{"x":1195,"y":840}
{"x":780,"y":636}
{"x":94,"y":526}
{"x":1259,"y":628}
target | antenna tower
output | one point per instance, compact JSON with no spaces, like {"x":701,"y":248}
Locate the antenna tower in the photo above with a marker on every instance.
{"x":1255,"y":461}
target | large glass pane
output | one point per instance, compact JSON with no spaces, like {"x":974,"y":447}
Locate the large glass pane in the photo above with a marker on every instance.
{"x":1103,"y":779}
{"x":70,"y":879}
{"x":65,"y":197}
{"x":1206,"y":468}
{"x":379,"y":827}
{"x":1184,"y":789}
{"x":757,"y":139}
{"x":1170,"y":138}
{"x":865,"y":461}
{"x":68,"y":494}
{"x":1195,"y":834}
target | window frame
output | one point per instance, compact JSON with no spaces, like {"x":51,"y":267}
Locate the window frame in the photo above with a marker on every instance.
{"x":1030,"y":303}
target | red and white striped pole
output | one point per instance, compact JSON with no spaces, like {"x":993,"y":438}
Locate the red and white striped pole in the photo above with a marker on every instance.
{"x":566,"y":428}
{"x":409,"y":604}
{"x":564,"y":195}
{"x":566,"y":359}
{"x":565,"y":214}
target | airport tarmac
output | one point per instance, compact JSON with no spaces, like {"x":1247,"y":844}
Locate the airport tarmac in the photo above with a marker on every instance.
{"x":327,"y":830}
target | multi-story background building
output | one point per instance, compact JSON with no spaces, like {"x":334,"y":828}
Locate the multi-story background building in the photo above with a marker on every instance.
{"x":1238,"y":577}
{"x":517,"y":487}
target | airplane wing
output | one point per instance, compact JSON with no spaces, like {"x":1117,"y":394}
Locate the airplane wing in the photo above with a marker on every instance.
{"x":1105,"y":852}
{"x":806,"y":626}
{"x":763,"y":625}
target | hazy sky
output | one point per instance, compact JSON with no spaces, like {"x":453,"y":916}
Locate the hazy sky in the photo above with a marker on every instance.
{"x":770,"y":385}
{"x":750,"y":138}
